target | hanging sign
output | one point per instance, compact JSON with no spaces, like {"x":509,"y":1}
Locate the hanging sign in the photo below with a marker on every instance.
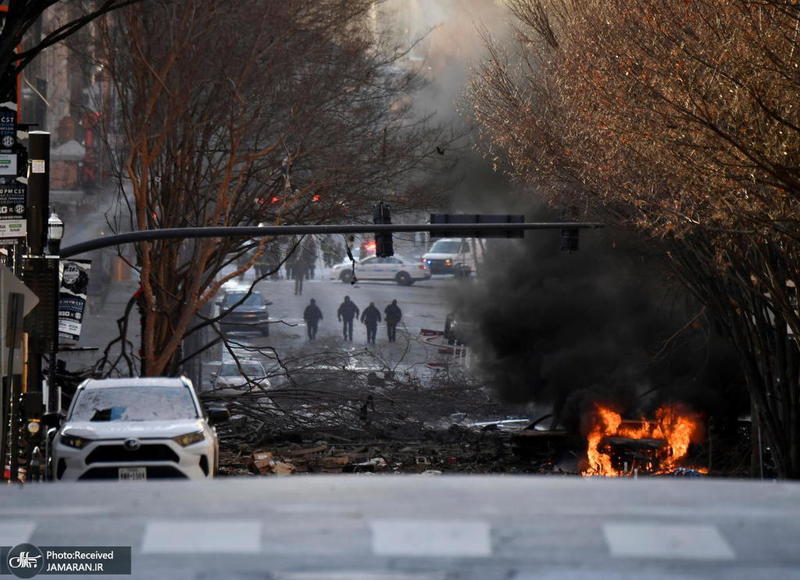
{"x":72,"y":297}
{"x":8,"y":127}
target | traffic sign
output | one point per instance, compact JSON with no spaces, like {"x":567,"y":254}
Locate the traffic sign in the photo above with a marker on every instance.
{"x":11,"y":284}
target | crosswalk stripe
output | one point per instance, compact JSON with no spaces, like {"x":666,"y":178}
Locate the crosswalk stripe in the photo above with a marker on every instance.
{"x":678,"y":542}
{"x":411,"y":537}
{"x":202,"y":536}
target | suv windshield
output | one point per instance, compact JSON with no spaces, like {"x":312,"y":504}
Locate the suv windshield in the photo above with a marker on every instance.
{"x":445,"y":247}
{"x":134,"y":404}
{"x":255,"y":299}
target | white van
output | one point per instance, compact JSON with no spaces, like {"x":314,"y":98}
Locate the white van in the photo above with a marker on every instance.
{"x":457,"y":256}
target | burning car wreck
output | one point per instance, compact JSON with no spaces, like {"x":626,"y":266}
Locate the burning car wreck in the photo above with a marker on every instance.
{"x":617,"y":447}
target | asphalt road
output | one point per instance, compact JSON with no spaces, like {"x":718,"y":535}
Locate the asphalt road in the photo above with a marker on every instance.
{"x":425,"y":306}
{"x":422,"y":527}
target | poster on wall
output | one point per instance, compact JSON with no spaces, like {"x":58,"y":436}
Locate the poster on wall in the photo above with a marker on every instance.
{"x":72,"y":298}
{"x":12,"y":211}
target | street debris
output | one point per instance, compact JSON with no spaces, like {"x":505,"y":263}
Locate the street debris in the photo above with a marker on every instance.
{"x":455,"y":450}
{"x":337,"y":416}
{"x":341,"y":416}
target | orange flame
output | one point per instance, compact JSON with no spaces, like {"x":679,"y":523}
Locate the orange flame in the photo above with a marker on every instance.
{"x":675,"y":424}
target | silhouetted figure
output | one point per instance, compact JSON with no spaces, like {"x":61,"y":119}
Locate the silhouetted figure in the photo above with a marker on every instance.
{"x":330,"y":251}
{"x":308,"y":256}
{"x":312,"y":315}
{"x":269,"y":262}
{"x":291,"y":258}
{"x":299,"y":263}
{"x":298,"y":274}
{"x":347,"y":311}
{"x":393,"y":317}
{"x":371,"y":317}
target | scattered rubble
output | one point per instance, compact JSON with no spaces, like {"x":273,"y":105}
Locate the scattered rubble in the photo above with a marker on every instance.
{"x":455,"y":450}
{"x":345,"y":421}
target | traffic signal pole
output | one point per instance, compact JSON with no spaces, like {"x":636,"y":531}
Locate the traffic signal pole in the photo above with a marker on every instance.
{"x":255,"y":231}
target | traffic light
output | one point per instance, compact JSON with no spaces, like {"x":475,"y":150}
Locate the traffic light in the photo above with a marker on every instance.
{"x":383,"y":240}
{"x":569,"y":240}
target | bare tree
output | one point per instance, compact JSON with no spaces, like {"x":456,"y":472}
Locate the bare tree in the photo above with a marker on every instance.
{"x":251,"y":112}
{"x":20,"y":18}
{"x":679,"y":120}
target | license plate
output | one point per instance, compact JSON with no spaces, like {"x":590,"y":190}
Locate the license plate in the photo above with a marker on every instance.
{"x":133,"y":473}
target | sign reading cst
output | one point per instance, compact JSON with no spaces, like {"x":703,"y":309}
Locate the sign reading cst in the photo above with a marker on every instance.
{"x":13,"y":223}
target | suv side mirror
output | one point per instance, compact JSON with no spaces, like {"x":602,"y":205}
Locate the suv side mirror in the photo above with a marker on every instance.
{"x":218,"y":415}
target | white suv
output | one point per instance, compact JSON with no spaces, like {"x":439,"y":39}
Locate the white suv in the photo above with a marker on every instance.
{"x":136,"y":429}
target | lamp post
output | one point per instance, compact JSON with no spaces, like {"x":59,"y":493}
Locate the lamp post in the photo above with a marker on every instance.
{"x":55,"y":233}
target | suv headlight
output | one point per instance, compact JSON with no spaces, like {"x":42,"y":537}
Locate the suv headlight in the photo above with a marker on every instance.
{"x":189,"y":438}
{"x":75,"y":441}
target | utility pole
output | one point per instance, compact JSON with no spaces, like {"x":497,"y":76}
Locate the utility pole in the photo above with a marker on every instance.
{"x":39,"y":271}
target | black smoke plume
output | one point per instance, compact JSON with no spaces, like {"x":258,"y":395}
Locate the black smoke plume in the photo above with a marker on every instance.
{"x":606,"y":323}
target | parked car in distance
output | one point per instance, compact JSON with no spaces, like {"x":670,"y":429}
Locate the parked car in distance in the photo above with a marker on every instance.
{"x":135,"y":429}
{"x":395,"y":268}
{"x":240,"y":310}
{"x":241,"y":376}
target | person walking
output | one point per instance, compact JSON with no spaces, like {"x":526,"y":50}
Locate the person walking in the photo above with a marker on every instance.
{"x":312,"y":315}
{"x":393,"y":317}
{"x":326,"y":246}
{"x":308,"y":255}
{"x":298,"y":275}
{"x":347,"y":311}
{"x":371,"y":317}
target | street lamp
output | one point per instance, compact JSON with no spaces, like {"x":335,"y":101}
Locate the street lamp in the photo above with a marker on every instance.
{"x":55,"y":233}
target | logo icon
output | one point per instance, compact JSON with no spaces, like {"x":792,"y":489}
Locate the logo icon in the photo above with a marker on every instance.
{"x":8,"y":141}
{"x":71,"y":273}
{"x":131,"y":444}
{"x":25,"y":560}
